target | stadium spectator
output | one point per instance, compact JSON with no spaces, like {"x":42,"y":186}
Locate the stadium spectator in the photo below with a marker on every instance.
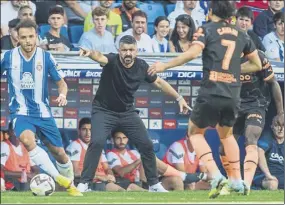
{"x":9,"y":11}
{"x":244,"y":19}
{"x":144,"y":42}
{"x":125,"y":163}
{"x":104,"y":178}
{"x":274,"y":41}
{"x":56,"y":41}
{"x":181,"y":37}
{"x":42,"y":12}
{"x":181,"y":156}
{"x":161,"y":30}
{"x":270,"y":174}
{"x":114,"y":21}
{"x":26,"y":12}
{"x":98,"y":38}
{"x":263,"y":24}
{"x":189,"y":8}
{"x":10,"y":41}
{"x":77,"y":10}
{"x":17,"y":167}
{"x":126,"y":11}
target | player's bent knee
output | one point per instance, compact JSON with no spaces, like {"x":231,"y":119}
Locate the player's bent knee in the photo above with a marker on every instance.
{"x":27,"y":137}
{"x":270,"y":184}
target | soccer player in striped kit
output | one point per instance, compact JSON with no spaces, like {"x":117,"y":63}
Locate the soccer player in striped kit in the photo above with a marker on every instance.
{"x":28,"y":67}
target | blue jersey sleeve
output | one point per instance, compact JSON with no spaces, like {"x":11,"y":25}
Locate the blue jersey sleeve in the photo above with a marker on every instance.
{"x":4,"y":61}
{"x":54,"y":71}
{"x":265,"y":141}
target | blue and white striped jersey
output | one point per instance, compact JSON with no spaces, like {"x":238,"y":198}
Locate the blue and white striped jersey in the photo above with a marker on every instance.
{"x":28,"y":81}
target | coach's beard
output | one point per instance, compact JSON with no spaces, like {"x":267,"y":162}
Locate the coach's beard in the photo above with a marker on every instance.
{"x":128,"y":60}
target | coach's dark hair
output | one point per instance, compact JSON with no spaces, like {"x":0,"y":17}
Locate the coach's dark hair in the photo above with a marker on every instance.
{"x":245,"y":12}
{"x":27,"y":23}
{"x":128,"y":39}
{"x":278,"y":16}
{"x":13,"y":23}
{"x":139,"y":13}
{"x":223,"y":9}
{"x":188,"y":21}
{"x":158,"y":20}
{"x":84,"y":121}
{"x":56,"y":10}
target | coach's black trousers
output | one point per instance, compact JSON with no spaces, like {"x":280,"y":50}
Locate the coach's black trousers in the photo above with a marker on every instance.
{"x":103,"y":122}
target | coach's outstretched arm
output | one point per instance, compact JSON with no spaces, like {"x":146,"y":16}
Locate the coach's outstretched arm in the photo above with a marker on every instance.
{"x":94,"y":55}
{"x":193,"y":52}
{"x":169,"y":90}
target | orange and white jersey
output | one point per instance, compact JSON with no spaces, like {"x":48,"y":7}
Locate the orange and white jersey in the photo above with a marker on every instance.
{"x":15,"y":158}
{"x":77,"y":150}
{"x":114,"y":159}
{"x":178,"y":153}
{"x":118,"y":159}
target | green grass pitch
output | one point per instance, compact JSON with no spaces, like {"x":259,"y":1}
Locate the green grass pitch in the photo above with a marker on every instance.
{"x":257,"y":197}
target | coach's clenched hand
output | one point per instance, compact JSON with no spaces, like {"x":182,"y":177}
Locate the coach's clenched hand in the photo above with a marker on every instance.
{"x":158,"y":67}
{"x":184,"y":107}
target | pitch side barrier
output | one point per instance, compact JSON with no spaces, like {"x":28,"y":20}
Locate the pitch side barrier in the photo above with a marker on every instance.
{"x":80,"y":67}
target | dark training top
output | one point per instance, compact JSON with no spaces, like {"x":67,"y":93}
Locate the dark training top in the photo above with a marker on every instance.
{"x":223,"y":45}
{"x":255,"y":89}
{"x":118,"y":84}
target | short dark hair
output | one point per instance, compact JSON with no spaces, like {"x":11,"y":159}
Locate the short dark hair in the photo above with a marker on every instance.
{"x":13,"y":23}
{"x":158,"y":20}
{"x":84,"y":121}
{"x":223,"y":9}
{"x":245,"y":12}
{"x":24,"y":7}
{"x":277,"y":16}
{"x":187,"y":20}
{"x":128,"y":39}
{"x":139,"y":13}
{"x":27,"y":23}
{"x":56,"y":10}
{"x":99,"y":11}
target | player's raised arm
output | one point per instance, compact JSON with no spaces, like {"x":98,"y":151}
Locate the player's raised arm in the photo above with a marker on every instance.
{"x":254,"y":63}
{"x":169,"y":90}
{"x":192,"y":53}
{"x":94,"y":55}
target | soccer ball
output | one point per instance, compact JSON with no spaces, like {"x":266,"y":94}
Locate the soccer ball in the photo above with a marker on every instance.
{"x":42,"y":185}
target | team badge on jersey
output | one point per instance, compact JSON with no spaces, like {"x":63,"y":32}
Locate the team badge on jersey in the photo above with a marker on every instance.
{"x":39,"y":66}
{"x":27,"y":81}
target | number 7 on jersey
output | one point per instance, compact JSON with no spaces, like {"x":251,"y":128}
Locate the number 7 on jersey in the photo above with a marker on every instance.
{"x":231,"y":45}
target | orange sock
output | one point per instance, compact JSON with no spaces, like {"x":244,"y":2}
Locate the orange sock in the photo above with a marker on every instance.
{"x":171,"y":172}
{"x":250,"y":163}
{"x":232,"y":152}
{"x":204,"y":154}
{"x":226,"y":165}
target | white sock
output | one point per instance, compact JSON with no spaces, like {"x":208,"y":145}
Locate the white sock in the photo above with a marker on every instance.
{"x":183,"y":175}
{"x":66,"y":169}
{"x":42,"y":160}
